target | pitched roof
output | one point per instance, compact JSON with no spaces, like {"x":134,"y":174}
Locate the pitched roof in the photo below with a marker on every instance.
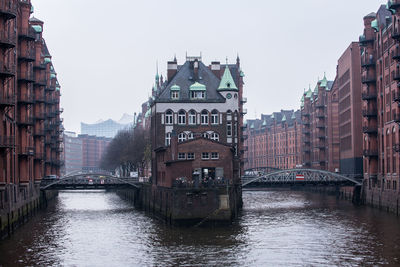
{"x":227,"y":82}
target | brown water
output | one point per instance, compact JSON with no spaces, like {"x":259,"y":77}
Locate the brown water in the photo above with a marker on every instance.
{"x":97,"y":228}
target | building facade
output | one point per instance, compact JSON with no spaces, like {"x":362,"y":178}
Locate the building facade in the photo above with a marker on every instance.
{"x":73,"y":158}
{"x":196,"y":122}
{"x":319,"y":114}
{"x":274,"y":141}
{"x":30,"y":143}
{"x":380,"y":58}
{"x":93,"y":148}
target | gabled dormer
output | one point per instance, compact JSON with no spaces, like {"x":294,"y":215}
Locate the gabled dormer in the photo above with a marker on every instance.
{"x":227,"y":83}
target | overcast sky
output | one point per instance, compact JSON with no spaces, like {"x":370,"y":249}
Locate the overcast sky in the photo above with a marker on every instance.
{"x":105,"y":52}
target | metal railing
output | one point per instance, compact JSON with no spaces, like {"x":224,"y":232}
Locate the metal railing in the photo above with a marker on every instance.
{"x":9,"y":7}
{"x":7,"y":141}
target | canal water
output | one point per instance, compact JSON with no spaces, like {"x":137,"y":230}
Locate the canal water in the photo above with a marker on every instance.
{"x":276,"y":228}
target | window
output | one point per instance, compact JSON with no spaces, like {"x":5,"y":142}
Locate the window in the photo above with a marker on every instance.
{"x":167,"y":139}
{"x":204,"y":117}
{"x":181,"y":137}
{"x":192,"y":117}
{"x":181,"y":117}
{"x":181,"y":156}
{"x":229,"y":129}
{"x":214,"y":155}
{"x":215,"y":136}
{"x":205,"y":155}
{"x":190,"y":155}
{"x":197,"y":94}
{"x":190,"y":135}
{"x":214,"y":117}
{"x":168,"y":117}
{"x":174,"y":95}
{"x":205,"y":135}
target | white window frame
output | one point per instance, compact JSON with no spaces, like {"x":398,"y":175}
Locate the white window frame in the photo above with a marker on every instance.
{"x":205,"y":135}
{"x":229,"y":129}
{"x":214,"y":117}
{"x":197,"y":95}
{"x":192,"y":117}
{"x":190,"y":136}
{"x":175,"y":95}
{"x":181,"y":156}
{"x":204,"y":118}
{"x":169,"y":117}
{"x":167,"y":139}
{"x":190,"y":154}
{"x":181,"y":117}
{"x":205,"y":155}
{"x":214,"y":136}
{"x":214,"y":155}
{"x":182,"y":137}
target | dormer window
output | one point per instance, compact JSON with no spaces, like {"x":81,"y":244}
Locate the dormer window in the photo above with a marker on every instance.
{"x":197,"y":91}
{"x":175,"y":95}
{"x":197,"y":94}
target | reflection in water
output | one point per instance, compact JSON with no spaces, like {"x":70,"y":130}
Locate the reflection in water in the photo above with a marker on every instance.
{"x":276,"y":228}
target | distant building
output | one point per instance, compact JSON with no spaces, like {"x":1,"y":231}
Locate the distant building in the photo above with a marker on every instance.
{"x":83,"y":152}
{"x":72,"y":152}
{"x":274,"y":141}
{"x":108,"y":128}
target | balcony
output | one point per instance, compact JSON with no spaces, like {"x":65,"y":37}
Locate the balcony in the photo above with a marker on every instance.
{"x":27,"y":34}
{"x":50,"y":88}
{"x":370,"y":153}
{"x":321,"y":136}
{"x":306,"y":114}
{"x":367,"y":79}
{"x":39,"y":132}
{"x":26,"y":121}
{"x":59,"y":111}
{"x":7,"y":141}
{"x":306,"y":150}
{"x":244,"y":100}
{"x":51,"y":114}
{"x":396,"y":75}
{"x":39,"y":66}
{"x":370,"y":129}
{"x":320,"y":104}
{"x":365,"y":40}
{"x":369,"y":112}
{"x":368,"y":95}
{"x":26,"y":99}
{"x":320,"y":124}
{"x":396,"y":96}
{"x":26,"y":55}
{"x":320,"y":146}
{"x":7,"y":101}
{"x":26,"y":76}
{"x":57,"y":162}
{"x":40,"y":115}
{"x":320,"y":115}
{"x":26,"y":151}
{"x":306,"y":123}
{"x":8,"y":40}
{"x":307,"y":142}
{"x":367,"y":63}
{"x":40,"y":98}
{"x":8,"y":9}
{"x":396,"y":33}
{"x":39,"y":156}
{"x":7,"y":70}
{"x":50,"y":100}
{"x":41,"y":82}
{"x":306,"y":131}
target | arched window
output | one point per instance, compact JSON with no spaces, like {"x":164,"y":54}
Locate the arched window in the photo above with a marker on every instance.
{"x":182,"y":137}
{"x":192,"y":117}
{"x":215,"y":136}
{"x":229,"y":115}
{"x":204,"y":117}
{"x":181,"y":117}
{"x":169,"y":117}
{"x":205,"y":135}
{"x":214,"y":117}
{"x":167,"y":139}
{"x":190,"y":135}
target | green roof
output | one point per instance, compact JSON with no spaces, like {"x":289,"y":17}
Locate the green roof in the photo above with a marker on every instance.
{"x":273,"y":116}
{"x":175,"y":88}
{"x":58,"y":88}
{"x":374,"y":24}
{"x":284,"y":118}
{"x":252,"y":126}
{"x":52,"y":75}
{"x":37,"y":28}
{"x":47,"y":60}
{"x":32,"y":9}
{"x":264,"y":123}
{"x":241,"y":73}
{"x":197,"y":87}
{"x":293,"y":116}
{"x":324,"y":82}
{"x":227,"y":82}
{"x":302,"y":98}
{"x":147,"y":114}
{"x":309,"y":93}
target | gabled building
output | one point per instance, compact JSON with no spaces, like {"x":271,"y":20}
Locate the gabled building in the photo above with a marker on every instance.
{"x":196,"y":121}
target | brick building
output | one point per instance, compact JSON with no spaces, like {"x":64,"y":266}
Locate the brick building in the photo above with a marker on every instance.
{"x":30,"y":143}
{"x":274,"y":141}
{"x":380,"y":58}
{"x":201,"y":107}
{"x":93,"y":148}
{"x":320,"y":134}
{"x":72,"y":153}
{"x":348,"y":92}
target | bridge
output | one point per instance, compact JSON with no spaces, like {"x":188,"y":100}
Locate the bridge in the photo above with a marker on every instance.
{"x":296,"y":177}
{"x":88,"y":181}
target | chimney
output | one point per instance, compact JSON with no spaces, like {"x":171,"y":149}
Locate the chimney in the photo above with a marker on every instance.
{"x":172,"y":69}
{"x":196,"y":70}
{"x":216,"y":68}
{"x":174,"y":146}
